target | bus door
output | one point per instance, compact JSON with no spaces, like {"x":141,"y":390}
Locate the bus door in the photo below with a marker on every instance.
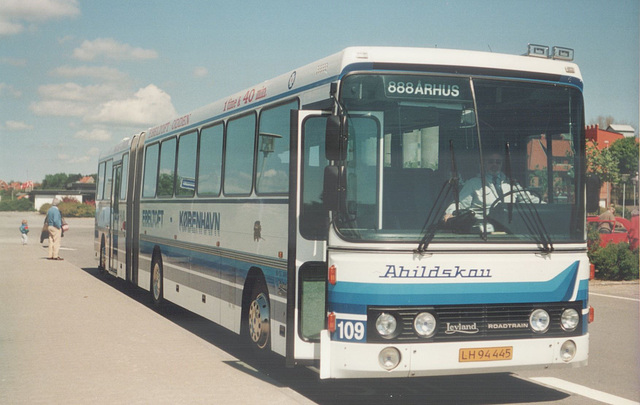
{"x":115,"y":227}
{"x":131,"y":219}
{"x":306,"y":290}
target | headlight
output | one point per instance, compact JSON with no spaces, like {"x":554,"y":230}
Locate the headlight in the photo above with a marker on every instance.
{"x":539,"y":320}
{"x":389,"y":358}
{"x":425,"y":324}
{"x":386,"y":325}
{"x":569,"y":319}
{"x":568,"y":351}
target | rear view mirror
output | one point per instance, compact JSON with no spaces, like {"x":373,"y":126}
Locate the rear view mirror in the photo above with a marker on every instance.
{"x":333,"y":190}
{"x":468,"y":118}
{"x":336,"y":138}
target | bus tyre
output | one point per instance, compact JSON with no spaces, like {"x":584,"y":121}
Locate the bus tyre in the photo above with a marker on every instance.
{"x":157,"y":282}
{"x":259,"y":318}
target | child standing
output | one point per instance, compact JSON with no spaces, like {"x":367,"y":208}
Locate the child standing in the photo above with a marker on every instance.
{"x":24,"y":230}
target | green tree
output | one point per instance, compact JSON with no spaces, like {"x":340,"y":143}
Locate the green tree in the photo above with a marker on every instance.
{"x":55,"y":181}
{"x":615,"y":262}
{"x":626,"y":151}
{"x":74,"y":177}
{"x":603,"y":163}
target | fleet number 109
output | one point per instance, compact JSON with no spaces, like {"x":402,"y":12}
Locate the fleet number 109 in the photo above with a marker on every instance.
{"x":350,"y":330}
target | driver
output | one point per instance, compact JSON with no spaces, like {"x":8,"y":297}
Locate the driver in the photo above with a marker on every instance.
{"x":496,"y":186}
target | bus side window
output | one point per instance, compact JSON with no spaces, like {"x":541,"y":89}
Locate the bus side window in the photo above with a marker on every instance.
{"x":108,"y":175}
{"x":150,"y":170}
{"x":210,"y":161}
{"x":273,"y":149}
{"x":186,"y":175}
{"x":166,"y":173}
{"x":125,"y":177}
{"x":239,"y":156}
{"x":100,"y":185}
{"x":314,"y":218}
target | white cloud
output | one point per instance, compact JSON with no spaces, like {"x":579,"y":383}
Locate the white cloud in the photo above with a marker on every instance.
{"x":72,"y":99}
{"x":105,"y":104}
{"x":200,"y":71}
{"x":79,"y":159}
{"x":65,"y":39}
{"x":10,"y":28}
{"x":95,"y":72}
{"x":17,"y":126}
{"x":59,"y":108}
{"x":14,"y":13}
{"x":96,"y":134}
{"x":146,"y":107}
{"x":110,"y":49}
{"x":9,"y":90}
{"x":76,"y":92}
{"x":13,"y":62}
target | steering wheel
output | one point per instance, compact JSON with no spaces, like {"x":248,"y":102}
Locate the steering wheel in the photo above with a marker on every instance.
{"x":514,"y":191}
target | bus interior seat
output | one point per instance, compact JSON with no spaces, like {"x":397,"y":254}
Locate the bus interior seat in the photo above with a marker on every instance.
{"x":408,"y":196}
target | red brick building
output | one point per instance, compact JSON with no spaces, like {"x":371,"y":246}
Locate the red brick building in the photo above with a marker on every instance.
{"x":602,"y":139}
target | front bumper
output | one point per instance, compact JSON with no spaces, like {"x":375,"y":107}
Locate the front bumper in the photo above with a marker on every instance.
{"x":360,"y":360}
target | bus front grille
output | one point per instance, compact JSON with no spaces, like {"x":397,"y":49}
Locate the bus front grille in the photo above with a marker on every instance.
{"x":474,"y":322}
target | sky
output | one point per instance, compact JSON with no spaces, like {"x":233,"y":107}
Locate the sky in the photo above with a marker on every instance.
{"x":77,"y":76}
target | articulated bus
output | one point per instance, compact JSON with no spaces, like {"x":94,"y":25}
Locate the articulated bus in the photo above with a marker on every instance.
{"x":307,"y":213}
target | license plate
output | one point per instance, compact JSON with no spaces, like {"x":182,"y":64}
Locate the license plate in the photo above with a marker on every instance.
{"x":485,"y":354}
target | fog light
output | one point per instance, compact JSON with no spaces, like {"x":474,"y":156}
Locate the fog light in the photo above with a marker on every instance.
{"x":568,"y":351}
{"x":389,"y":358}
{"x":386,"y":325}
{"x":569,"y":319}
{"x":425,"y":324}
{"x":539,"y":320}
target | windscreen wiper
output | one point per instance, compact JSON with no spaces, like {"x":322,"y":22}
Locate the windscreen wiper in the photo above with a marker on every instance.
{"x":439,"y":206}
{"x":528,"y":211}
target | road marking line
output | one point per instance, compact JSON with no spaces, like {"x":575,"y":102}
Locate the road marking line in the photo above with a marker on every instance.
{"x":615,"y":296}
{"x":583,"y":391}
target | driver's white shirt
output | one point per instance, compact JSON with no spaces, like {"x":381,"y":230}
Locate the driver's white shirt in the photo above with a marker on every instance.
{"x":471,"y":193}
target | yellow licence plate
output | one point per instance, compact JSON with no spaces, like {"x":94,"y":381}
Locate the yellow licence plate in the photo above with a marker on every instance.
{"x":486,"y":354}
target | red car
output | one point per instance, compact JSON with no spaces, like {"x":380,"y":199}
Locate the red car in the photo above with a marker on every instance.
{"x":621,"y":231}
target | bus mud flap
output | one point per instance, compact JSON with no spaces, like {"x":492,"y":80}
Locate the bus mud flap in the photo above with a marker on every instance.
{"x":325,"y":354}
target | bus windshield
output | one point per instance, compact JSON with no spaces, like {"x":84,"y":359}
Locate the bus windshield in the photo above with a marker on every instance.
{"x":462,"y":159}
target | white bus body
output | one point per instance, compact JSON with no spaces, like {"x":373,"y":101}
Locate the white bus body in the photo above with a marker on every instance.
{"x":306,"y":213}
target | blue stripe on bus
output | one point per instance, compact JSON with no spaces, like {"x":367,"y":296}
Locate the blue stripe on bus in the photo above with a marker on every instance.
{"x":234,"y":270}
{"x":351,"y":297}
{"x":583,"y":292}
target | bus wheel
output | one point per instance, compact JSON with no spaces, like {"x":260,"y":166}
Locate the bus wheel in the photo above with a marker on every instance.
{"x":102,"y":264}
{"x":156,"y":281}
{"x":259,"y":318}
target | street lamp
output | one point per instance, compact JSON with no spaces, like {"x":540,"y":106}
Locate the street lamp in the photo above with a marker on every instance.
{"x":625,"y":179}
{"x":606,"y":145}
{"x":267,"y":146}
{"x":634,"y":180}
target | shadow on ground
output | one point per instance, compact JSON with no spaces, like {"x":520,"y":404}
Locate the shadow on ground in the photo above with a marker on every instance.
{"x":502,"y":388}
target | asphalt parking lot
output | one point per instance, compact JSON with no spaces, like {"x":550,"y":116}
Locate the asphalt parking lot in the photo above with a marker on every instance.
{"x":69,"y":335}
{"x":66,"y":337}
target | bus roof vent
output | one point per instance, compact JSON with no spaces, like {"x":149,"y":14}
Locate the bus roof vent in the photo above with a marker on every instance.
{"x":562,"y":53}
{"x":557,"y":52}
{"x":539,"y":51}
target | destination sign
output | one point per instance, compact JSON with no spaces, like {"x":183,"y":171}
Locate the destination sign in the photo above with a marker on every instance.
{"x":426,"y":87}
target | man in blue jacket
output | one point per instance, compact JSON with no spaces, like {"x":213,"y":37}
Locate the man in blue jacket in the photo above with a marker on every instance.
{"x":54,"y":220}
